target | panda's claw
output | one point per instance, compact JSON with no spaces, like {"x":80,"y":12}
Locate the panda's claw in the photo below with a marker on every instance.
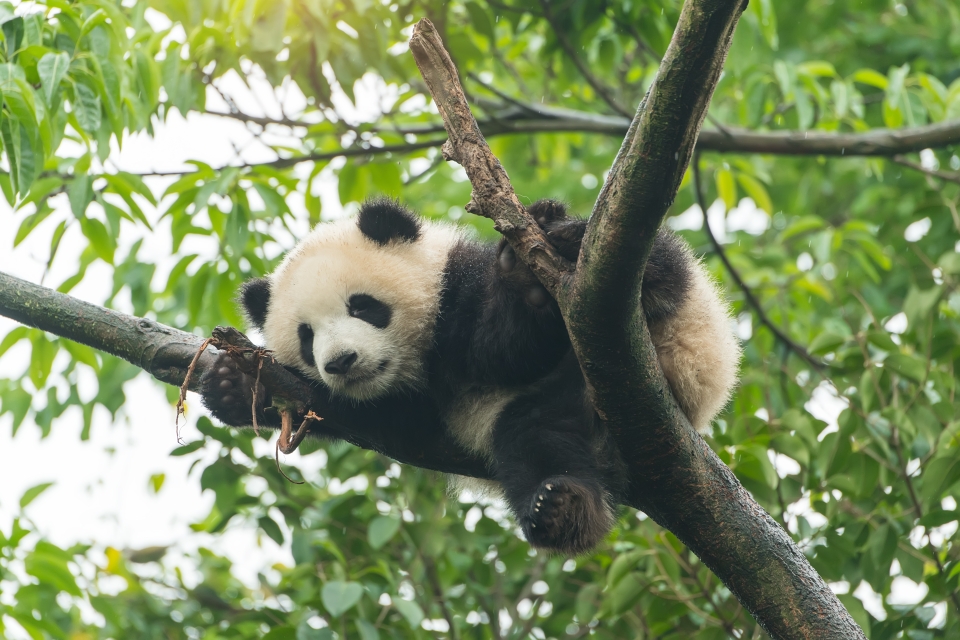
{"x":568,"y":515}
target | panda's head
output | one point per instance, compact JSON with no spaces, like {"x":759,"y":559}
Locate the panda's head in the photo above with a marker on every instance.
{"x":354,"y":304}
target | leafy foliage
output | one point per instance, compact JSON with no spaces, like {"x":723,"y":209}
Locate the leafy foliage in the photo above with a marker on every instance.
{"x":857,"y":260}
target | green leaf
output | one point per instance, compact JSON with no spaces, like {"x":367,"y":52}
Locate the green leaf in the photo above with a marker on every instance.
{"x":799,"y":227}
{"x":41,"y":358}
{"x":156,"y":482}
{"x":757,"y":191}
{"x":271,"y":528}
{"x":367,"y":630}
{"x":766,"y":16}
{"x":410,"y":610}
{"x":190,"y":447}
{"x":826,"y":341}
{"x":882,"y":340}
{"x":381,"y":530}
{"x":49,"y":565}
{"x":817,"y":68}
{"x":623,"y":564}
{"x":726,"y":187}
{"x":480,"y":21}
{"x":339,"y":597}
{"x":939,"y":518}
{"x":937,"y":476}
{"x":52,"y":68}
{"x":13,"y":337}
{"x":306,"y":632}
{"x":86,"y":107}
{"x":870,"y":77}
{"x":883,"y":543}
{"x":623,"y":596}
{"x":919,"y":303}
{"x":103,"y":243}
{"x":909,"y":367}
{"x":33,"y":493}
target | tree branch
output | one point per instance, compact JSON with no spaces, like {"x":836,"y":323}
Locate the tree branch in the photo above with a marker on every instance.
{"x":493,"y":196}
{"x":529,"y":118}
{"x":949,"y":176}
{"x":674,"y":476}
{"x":166,"y":353}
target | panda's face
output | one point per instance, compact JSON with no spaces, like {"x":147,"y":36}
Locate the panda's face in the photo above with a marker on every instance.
{"x":354,"y":304}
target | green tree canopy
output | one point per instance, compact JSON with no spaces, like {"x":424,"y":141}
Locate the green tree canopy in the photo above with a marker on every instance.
{"x":844,"y":282}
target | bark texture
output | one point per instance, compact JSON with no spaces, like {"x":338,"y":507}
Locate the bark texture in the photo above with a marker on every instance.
{"x":493,"y":195}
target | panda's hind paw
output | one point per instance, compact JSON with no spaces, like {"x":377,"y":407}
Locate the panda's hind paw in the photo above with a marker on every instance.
{"x":567,"y":515}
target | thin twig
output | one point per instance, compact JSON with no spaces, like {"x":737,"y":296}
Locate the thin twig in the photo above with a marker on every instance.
{"x":283,"y":163}
{"x":256,"y":387}
{"x":602,"y":89}
{"x":747,"y":292}
{"x":950,"y":176}
{"x":895,"y":444}
{"x":181,"y":402}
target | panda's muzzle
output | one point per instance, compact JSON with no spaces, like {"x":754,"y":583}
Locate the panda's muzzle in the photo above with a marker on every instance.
{"x":341,"y":364}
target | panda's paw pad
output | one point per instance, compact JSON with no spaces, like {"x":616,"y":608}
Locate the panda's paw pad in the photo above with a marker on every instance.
{"x":228,"y":392}
{"x":567,"y":515}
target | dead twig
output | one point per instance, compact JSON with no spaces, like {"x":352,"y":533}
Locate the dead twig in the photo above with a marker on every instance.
{"x":493,"y":196}
{"x":256,"y":387}
{"x":181,"y":402}
{"x":288,"y":442}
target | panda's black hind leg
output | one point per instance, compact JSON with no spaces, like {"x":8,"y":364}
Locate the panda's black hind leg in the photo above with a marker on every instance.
{"x":567,"y":515}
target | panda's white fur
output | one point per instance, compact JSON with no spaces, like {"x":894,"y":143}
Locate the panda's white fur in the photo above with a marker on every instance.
{"x":698,"y":351}
{"x":314,"y":282}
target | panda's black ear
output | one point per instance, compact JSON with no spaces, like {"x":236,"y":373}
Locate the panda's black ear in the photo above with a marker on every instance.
{"x":255,"y":298}
{"x":384,"y":220}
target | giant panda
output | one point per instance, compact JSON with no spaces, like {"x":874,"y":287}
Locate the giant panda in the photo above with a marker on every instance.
{"x":413,"y":333}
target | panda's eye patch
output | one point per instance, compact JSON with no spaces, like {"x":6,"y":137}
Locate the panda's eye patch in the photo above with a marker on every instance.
{"x":369,"y":309}
{"x":305,"y":332}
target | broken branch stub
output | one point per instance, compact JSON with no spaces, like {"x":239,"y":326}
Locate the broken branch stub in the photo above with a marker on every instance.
{"x":493,"y":196}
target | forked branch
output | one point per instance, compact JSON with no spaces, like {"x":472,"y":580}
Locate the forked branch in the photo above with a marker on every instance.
{"x":675,"y":476}
{"x":493,"y":195}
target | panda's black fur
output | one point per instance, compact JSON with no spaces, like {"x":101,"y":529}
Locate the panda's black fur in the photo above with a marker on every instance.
{"x":499,"y":377}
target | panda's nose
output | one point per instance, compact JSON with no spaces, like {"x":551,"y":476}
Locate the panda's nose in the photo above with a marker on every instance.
{"x":341,"y":364}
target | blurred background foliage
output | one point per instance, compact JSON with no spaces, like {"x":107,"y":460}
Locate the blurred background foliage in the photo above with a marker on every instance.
{"x":856,"y":259}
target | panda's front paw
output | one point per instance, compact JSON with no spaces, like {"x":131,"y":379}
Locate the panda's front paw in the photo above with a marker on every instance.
{"x":567,"y":515}
{"x":228,"y":393}
{"x":567,"y":236}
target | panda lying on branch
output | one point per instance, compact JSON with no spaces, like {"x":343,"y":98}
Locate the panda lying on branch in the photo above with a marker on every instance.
{"x":412,"y":333}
